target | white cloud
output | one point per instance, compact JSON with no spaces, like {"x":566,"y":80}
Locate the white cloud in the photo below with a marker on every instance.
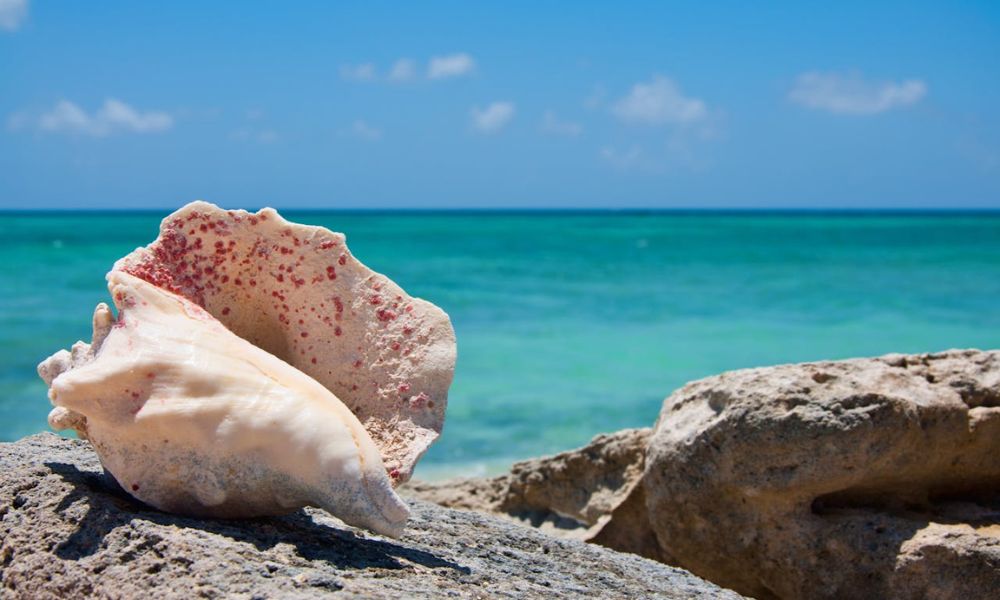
{"x":659,"y":102}
{"x":493,"y":118}
{"x":116,"y":115}
{"x":113,"y":117}
{"x":849,"y":94}
{"x":403,"y":70}
{"x":365,"y":131}
{"x":362,"y":72}
{"x":553,"y":125}
{"x":453,"y":65}
{"x":12,"y":14}
{"x":66,"y":116}
{"x":684,"y":128}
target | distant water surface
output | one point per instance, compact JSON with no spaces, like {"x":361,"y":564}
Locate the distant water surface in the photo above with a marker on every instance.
{"x":571,"y":324}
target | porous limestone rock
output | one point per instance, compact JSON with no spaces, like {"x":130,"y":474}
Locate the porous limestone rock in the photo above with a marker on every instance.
{"x":866,"y":478}
{"x":578,"y":494}
{"x":67,"y":532}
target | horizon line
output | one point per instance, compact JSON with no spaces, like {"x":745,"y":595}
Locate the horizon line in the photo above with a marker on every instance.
{"x":872,"y":211}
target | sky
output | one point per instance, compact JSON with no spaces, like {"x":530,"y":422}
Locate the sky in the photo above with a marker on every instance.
{"x":500,"y":105}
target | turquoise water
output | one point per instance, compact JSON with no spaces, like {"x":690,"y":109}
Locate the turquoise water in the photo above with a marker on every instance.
{"x":572,"y":324}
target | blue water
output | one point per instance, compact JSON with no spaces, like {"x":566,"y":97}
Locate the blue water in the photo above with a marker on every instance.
{"x":572,"y":324}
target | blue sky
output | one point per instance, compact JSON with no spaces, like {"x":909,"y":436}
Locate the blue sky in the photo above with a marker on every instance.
{"x":469,"y":105}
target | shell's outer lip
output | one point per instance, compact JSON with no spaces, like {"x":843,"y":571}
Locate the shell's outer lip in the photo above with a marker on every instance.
{"x":297,"y":292}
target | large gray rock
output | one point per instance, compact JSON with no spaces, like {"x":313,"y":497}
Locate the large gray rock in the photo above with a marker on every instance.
{"x":868,"y":478}
{"x":67,"y":532}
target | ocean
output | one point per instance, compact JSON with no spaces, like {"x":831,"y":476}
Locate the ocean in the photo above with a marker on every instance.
{"x":572,"y":324}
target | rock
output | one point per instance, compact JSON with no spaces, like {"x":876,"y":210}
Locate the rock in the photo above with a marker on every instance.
{"x":67,"y":532}
{"x":867,"y":478}
{"x":584,"y":484}
{"x":481,"y":494}
{"x":950,"y":560}
{"x":863,"y":478}
{"x":577,"y":494}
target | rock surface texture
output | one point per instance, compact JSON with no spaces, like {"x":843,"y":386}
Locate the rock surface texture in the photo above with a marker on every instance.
{"x":588,"y":493}
{"x":66,"y":532}
{"x":868,"y":478}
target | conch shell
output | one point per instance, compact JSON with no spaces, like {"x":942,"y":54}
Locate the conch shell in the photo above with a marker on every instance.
{"x":192,"y":419}
{"x":256,"y":367}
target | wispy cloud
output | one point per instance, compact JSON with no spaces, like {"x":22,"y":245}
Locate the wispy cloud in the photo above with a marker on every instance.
{"x":12,"y":14}
{"x":675,"y":128}
{"x":363,"y":130}
{"x":362,"y":72}
{"x":493,"y":118}
{"x":452,"y":65}
{"x":406,"y":69}
{"x":114,"y":116}
{"x":553,"y":125}
{"x":658,"y":102}
{"x":850,"y":94}
{"x":403,"y":70}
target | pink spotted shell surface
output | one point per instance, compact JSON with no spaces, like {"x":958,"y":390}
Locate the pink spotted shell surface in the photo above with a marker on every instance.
{"x":297,"y":292}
